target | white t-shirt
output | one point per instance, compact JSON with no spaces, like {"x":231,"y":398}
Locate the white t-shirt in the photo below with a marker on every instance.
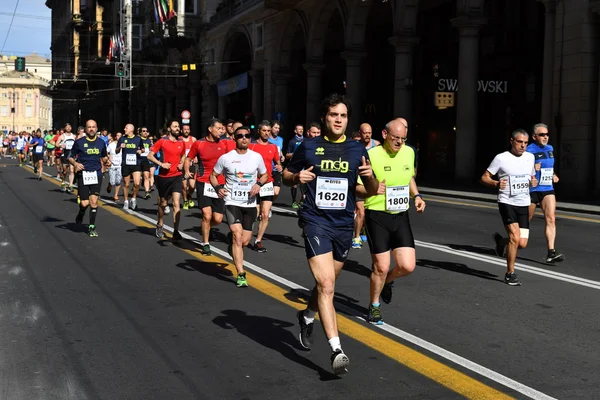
{"x":241,"y":173}
{"x":517,"y":171}
{"x":115,"y":158}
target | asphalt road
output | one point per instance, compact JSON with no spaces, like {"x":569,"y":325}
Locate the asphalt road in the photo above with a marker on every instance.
{"x":125,"y":316}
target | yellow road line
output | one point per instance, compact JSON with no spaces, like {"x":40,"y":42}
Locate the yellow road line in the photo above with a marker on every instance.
{"x":452,"y":379}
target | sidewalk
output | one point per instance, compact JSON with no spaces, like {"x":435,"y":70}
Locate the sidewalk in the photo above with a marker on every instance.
{"x":486,"y":196}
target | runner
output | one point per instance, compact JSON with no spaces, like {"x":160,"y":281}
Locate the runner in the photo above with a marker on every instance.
{"x":329,"y":165}
{"x":314,"y":130}
{"x":516,"y":172}
{"x":37,"y":146}
{"x":48,"y":137}
{"x":21,"y":142}
{"x":114,"y":172}
{"x":132,"y":148}
{"x":387,"y":222}
{"x":87,"y":156}
{"x":270,"y":155}
{"x":543,"y":195}
{"x":145,"y":163}
{"x":65,"y":142}
{"x":189,"y":184}
{"x":293,"y":145}
{"x":169,"y":180}
{"x":277,"y":141}
{"x":245,"y":173}
{"x":208,"y":151}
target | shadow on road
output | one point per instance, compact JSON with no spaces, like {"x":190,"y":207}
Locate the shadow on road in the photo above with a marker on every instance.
{"x":473,"y":249}
{"x":457,"y":267}
{"x":283,"y":239}
{"x":272,"y":334}
{"x":355,"y":267}
{"x":51,"y":219}
{"x":73,"y":227}
{"x":143,"y":230}
{"x":215,"y":270}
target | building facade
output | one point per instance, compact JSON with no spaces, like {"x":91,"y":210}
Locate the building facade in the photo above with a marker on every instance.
{"x":24,"y":102}
{"x":34,"y":63}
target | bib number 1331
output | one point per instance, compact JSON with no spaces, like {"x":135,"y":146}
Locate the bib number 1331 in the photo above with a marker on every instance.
{"x":331,"y":193}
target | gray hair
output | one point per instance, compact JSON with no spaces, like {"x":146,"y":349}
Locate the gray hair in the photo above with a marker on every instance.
{"x":518,"y":132}
{"x":540,"y":125}
{"x":263,"y":124}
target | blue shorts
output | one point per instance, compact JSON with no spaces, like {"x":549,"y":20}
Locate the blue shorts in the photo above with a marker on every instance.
{"x":322,"y":240}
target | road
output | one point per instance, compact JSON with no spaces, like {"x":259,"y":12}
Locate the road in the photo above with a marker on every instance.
{"x":126,"y":316}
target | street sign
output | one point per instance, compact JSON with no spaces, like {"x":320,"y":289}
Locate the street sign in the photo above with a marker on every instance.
{"x":185,"y":114}
{"x":279,"y":116}
{"x":444,"y":99}
{"x":185,"y":121}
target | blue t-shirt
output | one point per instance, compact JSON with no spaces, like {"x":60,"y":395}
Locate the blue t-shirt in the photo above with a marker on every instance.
{"x":544,"y":155}
{"x":89,"y":153}
{"x":105,"y":138}
{"x":294,"y":144}
{"x":132,"y":145}
{"x":37,"y":144}
{"x":335,"y":161}
{"x":278,"y":141}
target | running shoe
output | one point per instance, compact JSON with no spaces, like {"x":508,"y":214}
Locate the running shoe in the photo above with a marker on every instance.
{"x":126,"y":205}
{"x":147,"y":196}
{"x":177,"y":236}
{"x":339,"y":362}
{"x":160,"y":233}
{"x":554,"y":257}
{"x":512,"y":280}
{"x":39,"y":178}
{"x":191,"y":203}
{"x":241,"y":280}
{"x":306,"y":331}
{"x":295,"y":205}
{"x":167,"y":210}
{"x":386,"y":292}
{"x":374,"y":317}
{"x":259,"y":247}
{"x":206,"y":249}
{"x":186,"y":205}
{"x":109,"y":189}
{"x":356,"y":243}
{"x":499,"y":248}
{"x":92,"y":231}
{"x":133,"y":204}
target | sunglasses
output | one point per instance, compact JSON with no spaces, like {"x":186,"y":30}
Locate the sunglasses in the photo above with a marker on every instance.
{"x":542,"y":134}
{"x":243,"y":136}
{"x":144,"y":130}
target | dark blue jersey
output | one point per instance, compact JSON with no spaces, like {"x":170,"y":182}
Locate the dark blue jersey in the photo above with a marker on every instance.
{"x":146,"y":145}
{"x":37,"y":144}
{"x":544,"y":155}
{"x":330,"y":197}
{"x":294,"y":143}
{"x":89,"y":153}
{"x":132,"y":145}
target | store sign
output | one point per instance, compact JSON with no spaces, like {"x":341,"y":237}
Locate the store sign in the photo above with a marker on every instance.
{"x":451,"y":85}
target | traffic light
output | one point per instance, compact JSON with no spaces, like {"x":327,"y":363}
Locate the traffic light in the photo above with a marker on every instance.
{"x":120,"y":69}
{"x":250,"y":120}
{"x":20,"y":64}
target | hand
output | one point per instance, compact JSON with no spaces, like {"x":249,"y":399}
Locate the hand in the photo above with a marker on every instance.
{"x":108,"y":163}
{"x":166,"y":165}
{"x":188,"y":175}
{"x":503,"y":184}
{"x":180,"y":166}
{"x":538,"y":166}
{"x":365,"y":169}
{"x":419,"y":204}
{"x":78,"y":167}
{"x":534,"y":181}
{"x":306,"y":175}
{"x":255,"y":189}
{"x":381,"y":189}
{"x":278,"y":168}
{"x":222,"y":193}
{"x":122,"y":145}
{"x":555,"y":179}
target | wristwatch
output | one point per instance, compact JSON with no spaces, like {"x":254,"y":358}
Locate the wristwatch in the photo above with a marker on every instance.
{"x":259,"y":184}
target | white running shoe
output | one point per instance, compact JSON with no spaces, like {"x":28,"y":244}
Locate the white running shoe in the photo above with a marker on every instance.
{"x":133,"y":204}
{"x":126,"y":205}
{"x":167,"y":210}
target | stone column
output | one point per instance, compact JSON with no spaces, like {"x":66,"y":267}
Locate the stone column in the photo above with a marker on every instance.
{"x":466,"y":113}
{"x":281,"y":80}
{"x":354,"y":73}
{"x":258,"y":93}
{"x":314,"y":73}
{"x":403,"y":98}
{"x":548,"y":74}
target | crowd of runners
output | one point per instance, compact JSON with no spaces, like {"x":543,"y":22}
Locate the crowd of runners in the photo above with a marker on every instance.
{"x":348,"y":190}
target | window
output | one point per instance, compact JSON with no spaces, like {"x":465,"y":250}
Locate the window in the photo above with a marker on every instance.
{"x":191,"y":7}
{"x":136,"y":44}
{"x":4,"y":111}
{"x":28,"y":112}
{"x":137,"y":8}
{"x":82,"y":4}
{"x":258,"y":36}
{"x":29,"y":95}
{"x":5,"y":95}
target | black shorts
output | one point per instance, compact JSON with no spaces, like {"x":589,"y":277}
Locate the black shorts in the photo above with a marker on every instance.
{"x":37,"y":157}
{"x":514,"y":215}
{"x":537,"y":197}
{"x":217,"y":205}
{"x":193,"y":169}
{"x":127,"y":170}
{"x":277,"y":178}
{"x":387,"y":231}
{"x":321,"y":239}
{"x":85,"y":191}
{"x":64,"y":158}
{"x":241,"y":215}
{"x":167,"y":186}
{"x":145,"y":166}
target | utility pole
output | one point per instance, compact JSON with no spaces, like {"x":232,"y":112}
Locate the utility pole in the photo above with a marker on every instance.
{"x":126,"y":31}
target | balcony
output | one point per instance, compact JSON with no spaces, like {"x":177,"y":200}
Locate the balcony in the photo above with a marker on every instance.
{"x":230,"y":8}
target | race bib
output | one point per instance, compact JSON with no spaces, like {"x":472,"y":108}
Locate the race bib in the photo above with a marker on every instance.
{"x":332,"y":193}
{"x":187,"y":151}
{"x":146,"y":152}
{"x":69,"y":145}
{"x":397,"y":198}
{"x":546,"y":176}
{"x":241,"y":191}
{"x":209,"y":191}
{"x":267,"y":190}
{"x":90,"y":178}
{"x":130,"y":159}
{"x":519,"y":184}
{"x":39,"y":149}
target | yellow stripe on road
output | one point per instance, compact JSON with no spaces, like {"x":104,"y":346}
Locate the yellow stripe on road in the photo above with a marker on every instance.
{"x":442,"y":374}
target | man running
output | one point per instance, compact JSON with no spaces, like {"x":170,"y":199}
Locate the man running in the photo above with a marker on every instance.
{"x":277,"y":141}
{"x":387,"y":224}
{"x":37,"y":146}
{"x":189,"y":184}
{"x":543,"y":195}
{"x":245,"y":173}
{"x":66,"y":142}
{"x":48,"y":137}
{"x":145,"y":164}
{"x":114,"y":172}
{"x":87,"y":156}
{"x":293,"y":145}
{"x":329,"y":165}
{"x":516,"y":173}
{"x":21,"y":143}
{"x":270,"y":155}
{"x":168,"y":181}
{"x":208,"y":151}
{"x":131,"y":146}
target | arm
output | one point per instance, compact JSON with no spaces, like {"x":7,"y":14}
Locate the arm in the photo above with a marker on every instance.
{"x":214,"y":181}
{"x":488,"y":180}
{"x":152,"y":158}
{"x":418,"y":199}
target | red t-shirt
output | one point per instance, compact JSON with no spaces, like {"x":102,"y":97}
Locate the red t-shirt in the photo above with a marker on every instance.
{"x":270,"y":155}
{"x":208,"y":154}
{"x":58,"y":150}
{"x":171,"y":153}
{"x":188,"y":145}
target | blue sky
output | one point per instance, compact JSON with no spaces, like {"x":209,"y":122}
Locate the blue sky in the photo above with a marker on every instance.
{"x":27,"y":34}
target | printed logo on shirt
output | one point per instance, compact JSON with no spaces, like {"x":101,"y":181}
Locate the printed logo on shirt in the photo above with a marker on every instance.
{"x":335,"y":166}
{"x":320,"y":151}
{"x":387,"y":168}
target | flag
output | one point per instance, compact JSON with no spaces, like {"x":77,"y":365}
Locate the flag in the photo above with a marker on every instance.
{"x":172,"y":12}
{"x":156,"y":16}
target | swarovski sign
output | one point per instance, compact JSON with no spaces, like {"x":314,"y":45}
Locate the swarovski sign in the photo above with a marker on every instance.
{"x":451,"y":85}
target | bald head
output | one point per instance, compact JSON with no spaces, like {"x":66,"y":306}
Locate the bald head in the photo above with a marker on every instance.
{"x":395,"y":134}
{"x":366,"y":132}
{"x":91,"y":127}
{"x":129,"y":128}
{"x":404,"y":122}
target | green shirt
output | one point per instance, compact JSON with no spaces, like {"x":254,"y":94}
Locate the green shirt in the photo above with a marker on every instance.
{"x":397,"y":170}
{"x":48,"y":139}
